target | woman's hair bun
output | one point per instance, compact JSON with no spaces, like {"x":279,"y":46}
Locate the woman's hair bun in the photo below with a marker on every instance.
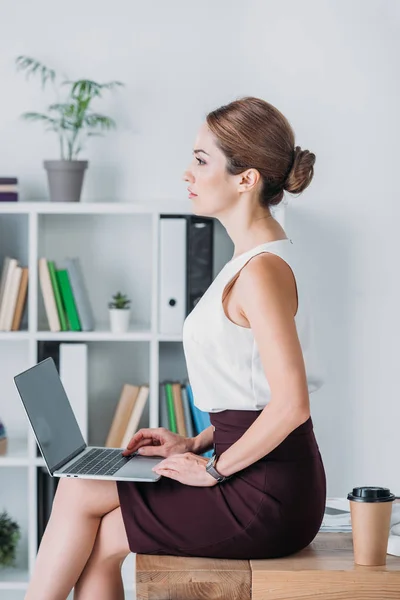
{"x":302,"y":171}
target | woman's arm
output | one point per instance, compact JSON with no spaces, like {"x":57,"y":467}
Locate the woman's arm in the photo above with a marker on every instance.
{"x":267,"y":293}
{"x":270,"y":428}
{"x":203,"y":441}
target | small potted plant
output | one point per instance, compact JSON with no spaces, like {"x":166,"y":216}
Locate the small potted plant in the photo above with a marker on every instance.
{"x":9,"y":537}
{"x":73,"y":120}
{"x":119,"y":310}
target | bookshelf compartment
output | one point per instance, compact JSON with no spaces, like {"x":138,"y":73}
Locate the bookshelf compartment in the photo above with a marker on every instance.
{"x":172,"y":363}
{"x":14,"y":359}
{"x":115,"y":254}
{"x":14,"y":243}
{"x":110,"y":366}
{"x":13,"y":494}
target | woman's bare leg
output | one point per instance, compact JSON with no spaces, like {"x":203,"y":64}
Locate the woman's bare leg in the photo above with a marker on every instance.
{"x":101,"y":578}
{"x":78,"y":506}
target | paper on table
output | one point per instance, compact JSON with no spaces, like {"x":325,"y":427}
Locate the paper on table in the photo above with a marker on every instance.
{"x":337,"y":515}
{"x":337,"y":518}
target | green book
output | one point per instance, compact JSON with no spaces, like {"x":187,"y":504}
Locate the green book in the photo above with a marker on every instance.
{"x":57,"y":296}
{"x":68,"y":299}
{"x":171,"y":408}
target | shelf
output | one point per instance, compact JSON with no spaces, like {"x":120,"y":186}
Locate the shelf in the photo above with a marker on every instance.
{"x":138,"y":334}
{"x":169,"y":337}
{"x":17,"y":453}
{"x":98,"y":335}
{"x":14,"y":335}
{"x":89,"y":208}
{"x":13,"y":578}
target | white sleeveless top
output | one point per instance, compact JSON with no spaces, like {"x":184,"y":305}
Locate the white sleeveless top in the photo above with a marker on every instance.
{"x":222,"y":359}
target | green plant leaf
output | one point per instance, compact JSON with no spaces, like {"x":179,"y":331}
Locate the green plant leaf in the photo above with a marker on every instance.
{"x":71,"y":119}
{"x":32,"y":66}
{"x":32,"y":116}
{"x":97,"y":120}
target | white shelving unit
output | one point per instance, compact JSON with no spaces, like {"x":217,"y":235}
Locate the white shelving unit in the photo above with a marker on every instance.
{"x":118,"y":244}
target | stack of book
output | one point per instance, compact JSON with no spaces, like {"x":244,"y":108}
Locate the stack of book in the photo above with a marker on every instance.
{"x":13,"y":293}
{"x":65,"y":296}
{"x":8,"y":189}
{"x":178,"y":412}
{"x":127,"y":415}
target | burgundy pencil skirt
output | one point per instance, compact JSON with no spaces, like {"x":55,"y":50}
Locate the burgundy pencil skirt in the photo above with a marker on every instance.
{"x":272,"y":508}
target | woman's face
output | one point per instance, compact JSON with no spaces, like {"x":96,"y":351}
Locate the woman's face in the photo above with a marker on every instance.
{"x":215,"y":189}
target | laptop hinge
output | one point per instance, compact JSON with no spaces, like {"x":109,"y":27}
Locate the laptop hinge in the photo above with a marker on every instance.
{"x":70,"y":457}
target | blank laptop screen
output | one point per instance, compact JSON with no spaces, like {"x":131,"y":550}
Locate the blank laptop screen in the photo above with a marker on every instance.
{"x":49,"y":412}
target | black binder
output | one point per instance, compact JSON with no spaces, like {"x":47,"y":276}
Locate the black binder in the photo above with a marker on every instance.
{"x":199,"y":258}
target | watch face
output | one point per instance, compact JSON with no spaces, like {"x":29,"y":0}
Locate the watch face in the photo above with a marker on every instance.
{"x":210,"y":462}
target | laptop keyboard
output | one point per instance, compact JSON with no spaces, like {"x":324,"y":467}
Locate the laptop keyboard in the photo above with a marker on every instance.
{"x":99,"y":461}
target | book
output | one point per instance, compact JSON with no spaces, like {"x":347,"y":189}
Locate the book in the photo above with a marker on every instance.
{"x":123,"y":411}
{"x":8,"y":181}
{"x":57,"y":296}
{"x":79,"y":290}
{"x":179,"y":414}
{"x":8,"y":187}
{"x":21,"y":300}
{"x":48,"y":296}
{"x":201,"y":418}
{"x":136,"y":414}
{"x":46,"y":490}
{"x":6,"y":264}
{"x":170,"y":407}
{"x":187,"y":412}
{"x":68,"y":299}
{"x":12,"y":298}
{"x":8,"y":196}
{"x":6,"y":296}
{"x":163,"y":410}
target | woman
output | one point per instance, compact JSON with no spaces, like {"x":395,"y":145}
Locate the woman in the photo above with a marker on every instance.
{"x":249,"y":354}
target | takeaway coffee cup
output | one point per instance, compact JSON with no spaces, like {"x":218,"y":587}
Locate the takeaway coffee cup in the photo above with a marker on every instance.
{"x":371,"y":510}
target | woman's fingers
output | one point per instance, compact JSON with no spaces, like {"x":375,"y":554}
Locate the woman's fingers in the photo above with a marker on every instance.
{"x":151,"y":451}
{"x":130,"y":449}
{"x":142,"y":434}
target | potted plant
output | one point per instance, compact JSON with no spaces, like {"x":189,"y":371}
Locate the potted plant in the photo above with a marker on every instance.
{"x":73,"y":120}
{"x":9,"y":537}
{"x":119,"y":313}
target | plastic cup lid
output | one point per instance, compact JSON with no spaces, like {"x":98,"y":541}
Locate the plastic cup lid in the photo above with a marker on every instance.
{"x":371,"y":494}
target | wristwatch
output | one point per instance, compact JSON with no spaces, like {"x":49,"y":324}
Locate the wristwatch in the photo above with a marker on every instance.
{"x":210,"y":468}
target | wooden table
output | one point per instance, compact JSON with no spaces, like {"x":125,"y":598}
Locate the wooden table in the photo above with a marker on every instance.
{"x":325,"y":570}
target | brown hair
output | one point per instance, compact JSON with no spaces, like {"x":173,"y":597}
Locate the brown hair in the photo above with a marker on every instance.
{"x":253,"y":133}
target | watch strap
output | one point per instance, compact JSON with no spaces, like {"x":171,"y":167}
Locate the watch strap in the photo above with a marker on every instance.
{"x":213,"y":471}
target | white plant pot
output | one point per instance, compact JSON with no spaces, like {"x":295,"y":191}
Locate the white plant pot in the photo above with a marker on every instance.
{"x":119,"y":319}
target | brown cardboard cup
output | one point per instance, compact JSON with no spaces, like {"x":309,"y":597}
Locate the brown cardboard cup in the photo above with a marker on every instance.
{"x":371,"y":510}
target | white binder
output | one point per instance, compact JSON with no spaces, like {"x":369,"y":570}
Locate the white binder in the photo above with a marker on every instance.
{"x":172,"y":275}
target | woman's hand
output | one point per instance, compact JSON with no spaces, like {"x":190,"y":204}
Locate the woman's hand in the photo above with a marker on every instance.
{"x":157,"y":442}
{"x":188,"y":468}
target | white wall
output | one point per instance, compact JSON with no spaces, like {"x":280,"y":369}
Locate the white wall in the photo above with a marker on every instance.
{"x":332,"y":69}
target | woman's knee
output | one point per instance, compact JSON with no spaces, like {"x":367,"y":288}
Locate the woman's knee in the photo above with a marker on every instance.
{"x":111,"y":540}
{"x":95,"y":497}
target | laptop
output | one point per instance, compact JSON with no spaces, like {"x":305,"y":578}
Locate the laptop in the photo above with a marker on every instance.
{"x":60,"y":439}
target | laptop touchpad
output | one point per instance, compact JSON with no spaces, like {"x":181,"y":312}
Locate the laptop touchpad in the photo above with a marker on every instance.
{"x":140,"y":467}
